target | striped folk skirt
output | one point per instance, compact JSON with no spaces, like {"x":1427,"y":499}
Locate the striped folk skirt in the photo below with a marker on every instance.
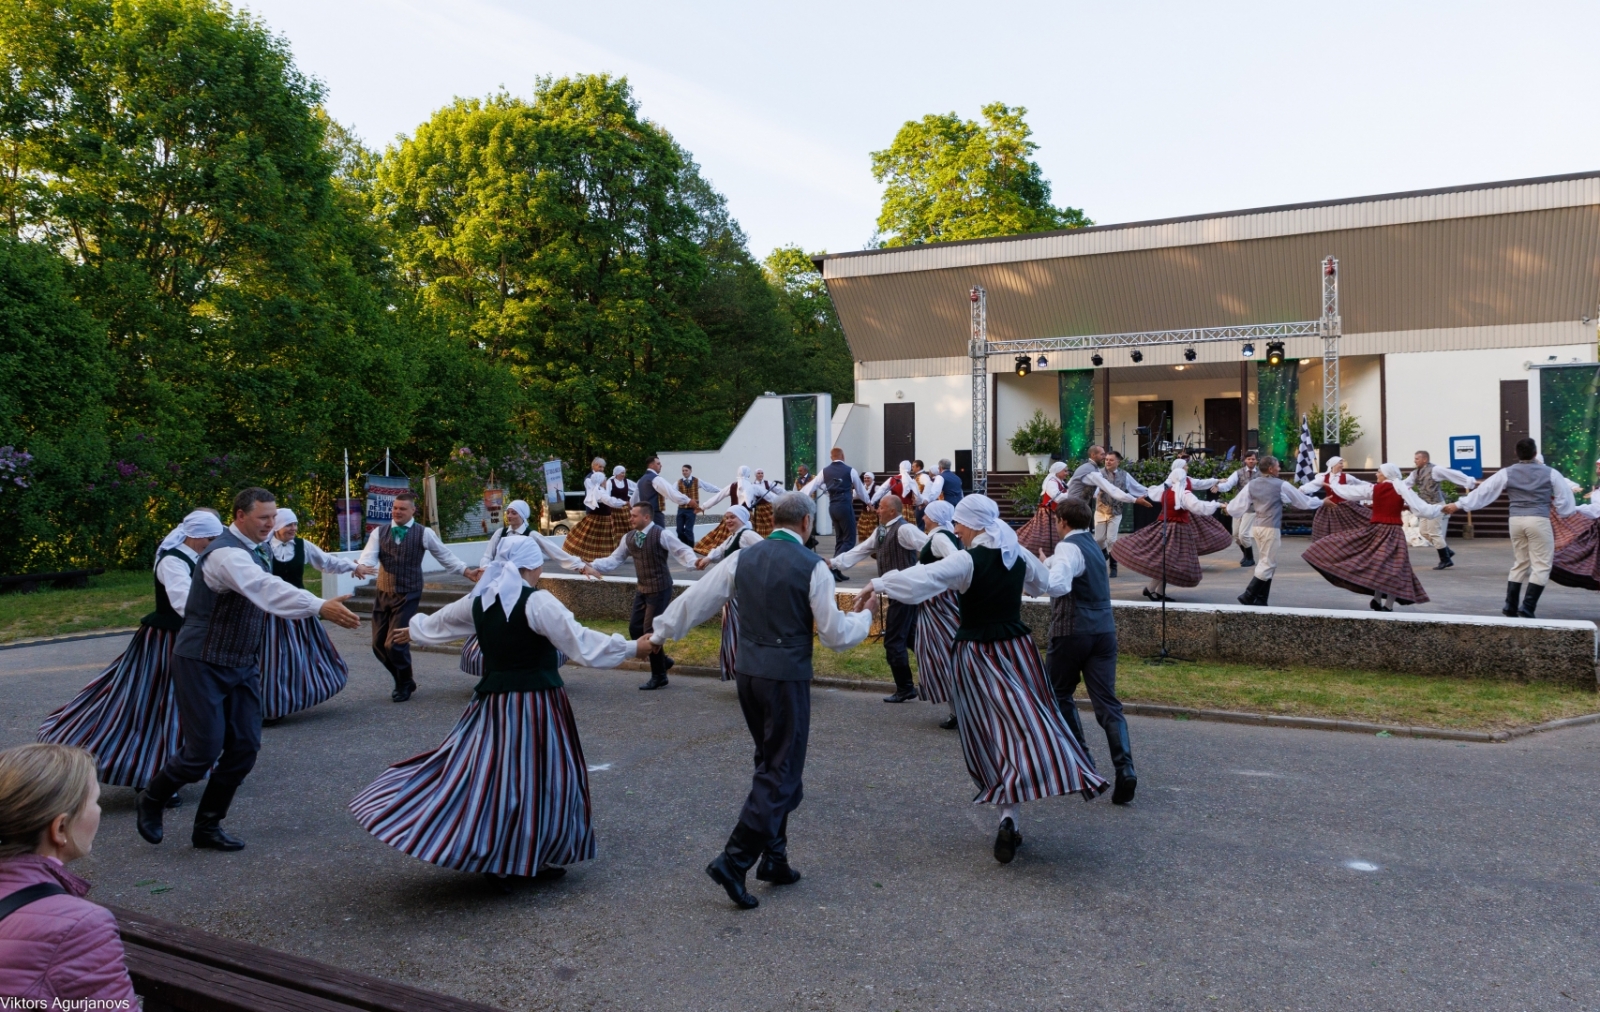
{"x":1375,"y":560}
{"x":128,"y":716}
{"x":866,"y":523}
{"x":1337,"y":517}
{"x":1142,"y":551}
{"x":1039,"y":533}
{"x":714,"y":537}
{"x":1577,"y":563}
{"x":299,"y":667}
{"x":1016,"y":743}
{"x":507,"y":793}
{"x":728,"y":652}
{"x":597,"y":536}
{"x":761,"y":518}
{"x":935,"y":646}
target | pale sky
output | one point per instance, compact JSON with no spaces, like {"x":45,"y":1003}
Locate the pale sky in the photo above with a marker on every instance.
{"x":1140,"y":110}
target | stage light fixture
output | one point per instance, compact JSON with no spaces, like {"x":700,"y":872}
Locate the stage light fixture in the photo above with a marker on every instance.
{"x":1097,"y":359}
{"x":1024,"y":367}
{"x":1248,"y":351}
{"x":1275,"y":353}
{"x":1042,"y":363}
{"x":1188,"y":354}
{"x":1138,"y":356}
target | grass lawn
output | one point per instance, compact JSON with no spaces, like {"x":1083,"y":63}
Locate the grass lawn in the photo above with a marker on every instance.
{"x":1478,"y":704}
{"x":113,"y":600}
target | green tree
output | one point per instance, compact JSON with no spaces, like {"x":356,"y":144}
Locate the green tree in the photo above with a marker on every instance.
{"x":946,"y":178}
{"x":818,"y":355}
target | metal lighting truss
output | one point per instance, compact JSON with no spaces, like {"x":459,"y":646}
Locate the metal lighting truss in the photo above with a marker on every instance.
{"x":980,"y":348}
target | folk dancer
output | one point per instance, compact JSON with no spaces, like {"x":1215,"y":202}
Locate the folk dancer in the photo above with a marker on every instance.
{"x":1039,"y":533}
{"x":215,"y":669}
{"x":1242,"y":476}
{"x":648,"y":545}
{"x":1017,"y":745}
{"x":1577,"y":563}
{"x":782,"y":592}
{"x":843,"y":485}
{"x":605,"y":517}
{"x":1108,"y":506}
{"x":920,"y":475}
{"x":691,"y":487}
{"x":943,"y":484}
{"x":1533,"y":489}
{"x":1265,"y":497}
{"x":1342,"y":497}
{"x":396,"y":549}
{"x":737,"y":492}
{"x":740,"y":535}
{"x":1425,"y":480}
{"x":1083,"y":639}
{"x":1375,"y":559}
{"x":903,"y":485}
{"x":1077,"y":485}
{"x":865,"y":506}
{"x":763,"y":494}
{"x":653,"y":489}
{"x":895,"y":545}
{"x":299,"y":665}
{"x":506,"y":794}
{"x":939,"y":616}
{"x":1168,"y":551}
{"x":127,"y":717}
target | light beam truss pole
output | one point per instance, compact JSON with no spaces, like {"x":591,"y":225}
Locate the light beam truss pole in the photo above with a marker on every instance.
{"x":1332,"y":328}
{"x":979,"y":350}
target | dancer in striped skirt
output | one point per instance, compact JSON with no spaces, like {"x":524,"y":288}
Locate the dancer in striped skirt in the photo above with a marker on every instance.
{"x":128,"y":716}
{"x":740,"y":535}
{"x":938,"y":617}
{"x":1039,"y":533}
{"x":1017,"y":745}
{"x":507,"y":792}
{"x":299,"y":665}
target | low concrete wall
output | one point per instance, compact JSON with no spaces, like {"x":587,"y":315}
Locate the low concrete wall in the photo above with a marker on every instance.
{"x":1440,"y":645}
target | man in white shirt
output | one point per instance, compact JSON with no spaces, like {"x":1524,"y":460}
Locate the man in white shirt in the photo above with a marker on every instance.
{"x":895,"y":545}
{"x":649,"y":545}
{"x":843,"y":485}
{"x":396,"y":549}
{"x":654,"y":489}
{"x":1424,"y":480}
{"x":215,"y":669}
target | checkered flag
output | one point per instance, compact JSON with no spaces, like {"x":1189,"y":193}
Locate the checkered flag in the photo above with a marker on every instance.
{"x":1305,"y":465}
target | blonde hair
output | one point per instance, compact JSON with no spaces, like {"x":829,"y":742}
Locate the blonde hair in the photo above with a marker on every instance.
{"x":38,"y":783}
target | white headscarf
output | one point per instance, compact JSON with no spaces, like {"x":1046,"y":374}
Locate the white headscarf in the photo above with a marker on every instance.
{"x":1058,"y":467}
{"x":618,"y":470}
{"x":501,"y":581}
{"x":1389,"y":472}
{"x":285,"y":518}
{"x":199,"y":524}
{"x":1328,"y":467}
{"x":521,"y":508}
{"x":942,"y":513}
{"x":742,"y":513}
{"x":905,"y":472}
{"x":868,"y":478}
{"x":1178,"y":475}
{"x":980,"y":513}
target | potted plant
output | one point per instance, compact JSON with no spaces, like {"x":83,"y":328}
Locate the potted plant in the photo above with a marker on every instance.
{"x":1036,"y":440}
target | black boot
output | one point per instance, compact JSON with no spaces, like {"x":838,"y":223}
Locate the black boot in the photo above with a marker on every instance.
{"x":731,"y":866}
{"x":1113,"y":567}
{"x":774,"y":865}
{"x":1249,"y":595}
{"x":1122,"y":759}
{"x":1444,"y":559}
{"x":1249,"y":560}
{"x":904,"y":689}
{"x":151,"y":803}
{"x":208,"y":816}
{"x":1263,"y":591}
{"x":403,"y":688}
{"x":1530,"y":600}
{"x":949,"y":723}
{"x":1513,"y":591}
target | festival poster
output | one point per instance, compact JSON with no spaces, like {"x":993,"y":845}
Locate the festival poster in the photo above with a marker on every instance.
{"x":494,"y":502}
{"x":349,"y":514}
{"x":553,"y":490}
{"x":381,"y":490}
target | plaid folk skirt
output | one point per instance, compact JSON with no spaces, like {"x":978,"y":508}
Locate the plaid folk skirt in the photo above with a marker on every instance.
{"x":1176,"y":545}
{"x":1577,"y":563}
{"x":1338,"y":517}
{"x":597,"y":536}
{"x":1376,"y":560}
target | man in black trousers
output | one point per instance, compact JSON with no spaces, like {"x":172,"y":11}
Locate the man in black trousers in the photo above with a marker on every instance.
{"x":396,"y":548}
{"x":843,"y":485}
{"x":1083,"y":637}
{"x":648,"y":546}
{"x":896,"y":544}
{"x":216,"y":669}
{"x":781,"y":589}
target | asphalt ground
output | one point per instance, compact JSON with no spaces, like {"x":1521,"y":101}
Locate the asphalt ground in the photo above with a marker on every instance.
{"x":1258,"y":868}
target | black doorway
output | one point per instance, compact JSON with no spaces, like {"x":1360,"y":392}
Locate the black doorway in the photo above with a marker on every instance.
{"x":1151,"y":413}
{"x":1513,"y":418}
{"x":1222,"y":426}
{"x":899,"y":436}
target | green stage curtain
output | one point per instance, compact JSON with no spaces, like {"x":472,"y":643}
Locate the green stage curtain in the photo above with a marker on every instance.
{"x":1568,"y":419}
{"x":799,"y":436}
{"x":1277,"y":420}
{"x":1077,"y":412}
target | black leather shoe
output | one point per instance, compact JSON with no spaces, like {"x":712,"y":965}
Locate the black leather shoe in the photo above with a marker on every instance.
{"x":1123,"y":792}
{"x":1152,"y":595}
{"x":147,"y":816}
{"x":1249,"y":595}
{"x":1249,"y":559}
{"x":777,"y":871}
{"x":550,"y":873}
{"x":949,"y":723}
{"x":1444,"y":559}
{"x":215,"y":838}
{"x":208,"y":815}
{"x":402,"y":693}
{"x":1374,"y":605}
{"x":732,"y":882}
{"x":654,"y":683}
{"x":838,"y":577}
{"x":901,"y":696}
{"x":1006,"y":841}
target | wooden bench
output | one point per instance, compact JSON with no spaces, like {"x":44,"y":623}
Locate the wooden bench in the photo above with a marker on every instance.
{"x":27,"y":583}
{"x":183,"y":970}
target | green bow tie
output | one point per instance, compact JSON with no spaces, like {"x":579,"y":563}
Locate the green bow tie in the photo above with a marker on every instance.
{"x":400,"y":534}
{"x":639,"y":536}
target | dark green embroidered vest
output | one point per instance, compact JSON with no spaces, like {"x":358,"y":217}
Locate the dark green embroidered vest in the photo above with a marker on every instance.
{"x":515,"y":658}
{"x":991,"y":609}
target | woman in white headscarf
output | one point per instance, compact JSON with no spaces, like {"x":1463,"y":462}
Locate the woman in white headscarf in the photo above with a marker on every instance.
{"x":1577,"y":558}
{"x":903,"y":484}
{"x":507,"y":792}
{"x":1375,"y":559}
{"x":866,"y":516}
{"x":606,"y":520}
{"x":127,"y":717}
{"x":763,"y":493}
{"x":736,"y":534}
{"x":737,"y":492}
{"x":938,"y":617}
{"x":1039,"y":533}
{"x":1168,"y":551}
{"x":299,"y":665}
{"x":1017,"y":745}
{"x":1341,"y":506}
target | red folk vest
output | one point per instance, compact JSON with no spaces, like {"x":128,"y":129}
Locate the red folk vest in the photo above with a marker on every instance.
{"x":1171,"y":512}
{"x":1386,"y":504}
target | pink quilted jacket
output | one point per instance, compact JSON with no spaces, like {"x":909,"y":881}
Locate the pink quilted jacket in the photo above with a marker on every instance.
{"x":62,"y":946}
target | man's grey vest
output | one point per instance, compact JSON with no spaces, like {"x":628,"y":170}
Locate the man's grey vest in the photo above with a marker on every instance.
{"x":952,"y":489}
{"x":648,"y":494}
{"x":891,"y":554}
{"x":649,"y":560}
{"x":1077,"y":487}
{"x":836,"y":479}
{"x":772,"y":591}
{"x":1246,"y":476}
{"x":1120,"y":479}
{"x":223,"y":629}
{"x":1528,"y":487}
{"x":1086,"y":609}
{"x":400,"y":565}
{"x":1266,"y":501}
{"x":1426,"y":484}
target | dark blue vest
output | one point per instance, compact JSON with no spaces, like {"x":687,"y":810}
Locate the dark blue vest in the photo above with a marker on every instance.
{"x":648,"y":494}
{"x":223,"y":629}
{"x":772,"y":591}
{"x":952,"y":487}
{"x":836,"y":479}
{"x":1086,"y":610}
